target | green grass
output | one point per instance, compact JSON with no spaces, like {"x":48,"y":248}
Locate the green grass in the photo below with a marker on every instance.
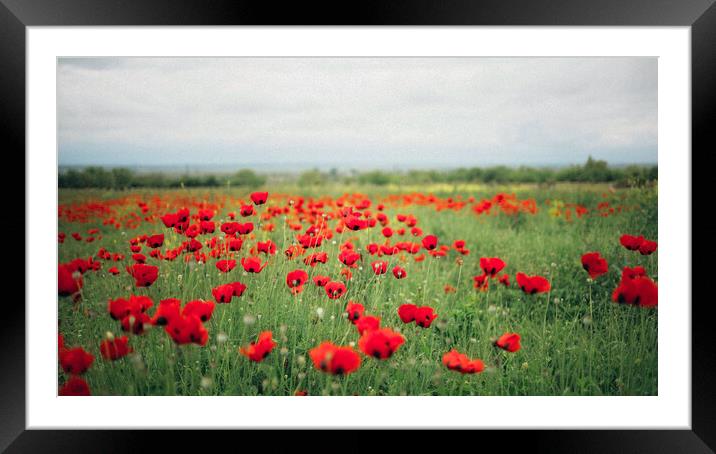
{"x":575,"y":341}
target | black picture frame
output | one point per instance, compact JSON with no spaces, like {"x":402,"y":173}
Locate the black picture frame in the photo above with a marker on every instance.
{"x":700,"y":15}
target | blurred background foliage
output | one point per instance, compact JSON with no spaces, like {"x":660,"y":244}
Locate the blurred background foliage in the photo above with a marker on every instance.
{"x":593,"y":171}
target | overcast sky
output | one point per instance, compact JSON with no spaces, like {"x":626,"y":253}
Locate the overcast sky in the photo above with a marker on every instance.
{"x":356,"y":112}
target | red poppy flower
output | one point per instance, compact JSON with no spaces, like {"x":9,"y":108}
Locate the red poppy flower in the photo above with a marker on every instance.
{"x":504,"y":280}
{"x":430,"y":242}
{"x":134,"y":323}
{"x":230,"y":228}
{"x":355,"y":223}
{"x":379,"y":267}
{"x":594,"y":264}
{"x":68,"y":282}
{"x":474,"y":366}
{"x":246,"y":210}
{"x":647,"y":247}
{"x":260,"y":349}
{"x":316,"y":258}
{"x":193,"y":245}
{"x":509,"y":342}
{"x":532,"y":284}
{"x":205,"y":215}
{"x":481,"y":282}
{"x":424,"y":316}
{"x":183,"y":215}
{"x":244,"y":229}
{"x":239,"y":288}
{"x":387,"y":232}
{"x":399,"y":273}
{"x":170,"y":220}
{"x":438,"y":253}
{"x":631,"y":242}
{"x":207,"y":227}
{"x":75,"y":386}
{"x":168,"y":310}
{"x":199,"y":308}
{"x":76,"y":360}
{"x":406,"y":312}
{"x":267,"y":247}
{"x":367,"y":323}
{"x":79,"y":266}
{"x":135,"y":305}
{"x":115,"y":348}
{"x":252,"y":264}
{"x":335,"y":360}
{"x":185,"y":330}
{"x":639,"y":290}
{"x":144,"y":275}
{"x":321,"y":281}
{"x":355,"y":311}
{"x":223,"y":293}
{"x":631,"y":273}
{"x":380,"y":343}
{"x":335,"y":290}
{"x":226,"y":265}
{"x":454,"y":360}
{"x":155,"y":241}
{"x":259,"y":198}
{"x":459,"y":362}
{"x":491,"y":266}
{"x":235,"y":244}
{"x":349,"y":257}
{"x":295,"y":279}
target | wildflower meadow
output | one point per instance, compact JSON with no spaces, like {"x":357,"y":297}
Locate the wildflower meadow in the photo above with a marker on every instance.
{"x":359,"y":290}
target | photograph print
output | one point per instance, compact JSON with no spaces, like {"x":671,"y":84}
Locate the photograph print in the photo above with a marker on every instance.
{"x":340,"y":226}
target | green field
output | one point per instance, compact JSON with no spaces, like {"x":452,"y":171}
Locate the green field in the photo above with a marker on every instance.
{"x":574,"y":339}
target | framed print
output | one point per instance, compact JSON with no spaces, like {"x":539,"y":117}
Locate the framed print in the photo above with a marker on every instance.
{"x":431,"y":217}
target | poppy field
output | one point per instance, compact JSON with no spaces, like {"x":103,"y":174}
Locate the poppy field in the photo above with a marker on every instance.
{"x":361,"y":290}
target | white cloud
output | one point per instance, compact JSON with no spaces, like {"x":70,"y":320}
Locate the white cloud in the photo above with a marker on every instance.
{"x":363,"y":111}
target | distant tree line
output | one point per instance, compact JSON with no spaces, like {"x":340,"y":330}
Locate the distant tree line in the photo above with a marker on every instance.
{"x":121,"y":178}
{"x":593,"y":171}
